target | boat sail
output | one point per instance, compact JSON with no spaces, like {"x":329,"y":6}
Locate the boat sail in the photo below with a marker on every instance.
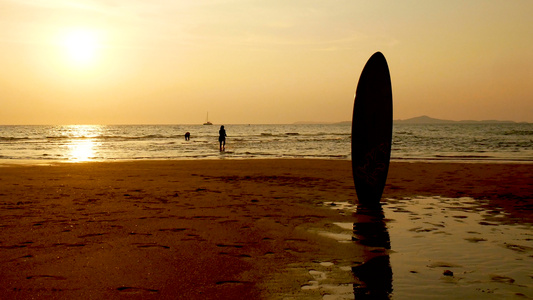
{"x":207,"y":120}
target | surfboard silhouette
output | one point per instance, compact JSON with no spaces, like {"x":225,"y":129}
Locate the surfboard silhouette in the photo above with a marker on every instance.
{"x":372,"y":130}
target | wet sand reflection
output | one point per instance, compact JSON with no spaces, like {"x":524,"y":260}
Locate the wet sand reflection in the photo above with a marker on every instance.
{"x":374,"y":275}
{"x":462,"y":247}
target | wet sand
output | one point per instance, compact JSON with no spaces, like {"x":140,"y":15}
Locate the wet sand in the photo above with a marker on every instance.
{"x":225,"y":229}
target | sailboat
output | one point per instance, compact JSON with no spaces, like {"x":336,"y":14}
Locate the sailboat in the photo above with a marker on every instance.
{"x":207,"y":120}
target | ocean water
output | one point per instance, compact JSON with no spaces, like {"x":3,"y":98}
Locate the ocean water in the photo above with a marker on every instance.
{"x":79,"y":143}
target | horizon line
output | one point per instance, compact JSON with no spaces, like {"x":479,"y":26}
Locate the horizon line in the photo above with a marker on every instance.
{"x":291,"y":123}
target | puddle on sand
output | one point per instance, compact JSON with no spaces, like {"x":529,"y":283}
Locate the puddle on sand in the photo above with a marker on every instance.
{"x":442,"y":248}
{"x":329,"y":290}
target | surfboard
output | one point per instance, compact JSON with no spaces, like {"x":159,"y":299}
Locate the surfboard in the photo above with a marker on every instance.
{"x":372,"y":130}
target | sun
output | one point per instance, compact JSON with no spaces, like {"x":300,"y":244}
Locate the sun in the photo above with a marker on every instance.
{"x":81,"y":45}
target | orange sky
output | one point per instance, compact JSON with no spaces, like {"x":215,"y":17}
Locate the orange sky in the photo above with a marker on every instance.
{"x":249,"y":61}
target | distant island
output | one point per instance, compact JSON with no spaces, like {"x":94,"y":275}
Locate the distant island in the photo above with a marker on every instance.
{"x":421,"y":120}
{"x":429,"y":120}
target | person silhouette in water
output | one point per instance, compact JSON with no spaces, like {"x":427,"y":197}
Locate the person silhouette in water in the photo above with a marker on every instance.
{"x":222,"y":138}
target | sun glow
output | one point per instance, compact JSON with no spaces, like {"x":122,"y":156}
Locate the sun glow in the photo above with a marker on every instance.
{"x":81,"y":45}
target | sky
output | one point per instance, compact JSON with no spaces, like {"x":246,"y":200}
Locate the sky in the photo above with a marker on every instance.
{"x":252,"y":61}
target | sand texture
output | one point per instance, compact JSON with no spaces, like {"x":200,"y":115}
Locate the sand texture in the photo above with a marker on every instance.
{"x":224,"y":229}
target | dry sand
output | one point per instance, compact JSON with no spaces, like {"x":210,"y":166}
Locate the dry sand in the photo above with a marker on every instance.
{"x":224,"y":229}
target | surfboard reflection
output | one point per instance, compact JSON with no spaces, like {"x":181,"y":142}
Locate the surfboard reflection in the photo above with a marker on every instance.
{"x":375,"y":273}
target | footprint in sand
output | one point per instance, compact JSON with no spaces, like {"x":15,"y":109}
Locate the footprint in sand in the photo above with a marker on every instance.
{"x":22,"y":257}
{"x":173,"y":229}
{"x":234,"y":246}
{"x":69,"y":244}
{"x":193,"y":237}
{"x":501,"y":279}
{"x":91,"y":235}
{"x":150,"y":245}
{"x":475,"y":240}
{"x":136,"y":290}
{"x":46,"y":277}
{"x":231,"y":282}
{"x":236,"y":255}
{"x":137,"y":233}
{"x":13,"y":247}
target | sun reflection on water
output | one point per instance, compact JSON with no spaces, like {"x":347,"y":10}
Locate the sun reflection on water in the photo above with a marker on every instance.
{"x":82,"y":147}
{"x":81,"y":150}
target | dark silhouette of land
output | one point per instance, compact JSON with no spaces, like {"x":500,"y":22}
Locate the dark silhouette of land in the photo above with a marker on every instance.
{"x":420,"y":120}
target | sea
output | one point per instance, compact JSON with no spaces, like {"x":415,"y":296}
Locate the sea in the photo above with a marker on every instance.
{"x":509,"y":142}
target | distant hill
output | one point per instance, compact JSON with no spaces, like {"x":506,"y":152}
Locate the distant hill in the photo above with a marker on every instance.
{"x":423,"y":120}
{"x":420,"y":120}
{"x":429,"y":120}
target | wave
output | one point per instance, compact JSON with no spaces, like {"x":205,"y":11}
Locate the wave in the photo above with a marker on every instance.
{"x":10,"y":138}
{"x":319,"y":136}
{"x":519,"y":132}
{"x":113,"y":137}
{"x":464,"y":156}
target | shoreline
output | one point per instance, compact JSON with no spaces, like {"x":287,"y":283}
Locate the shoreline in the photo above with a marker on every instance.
{"x":49,"y":162}
{"x":206,"y":229}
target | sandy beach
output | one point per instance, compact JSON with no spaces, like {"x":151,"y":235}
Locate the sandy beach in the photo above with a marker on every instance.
{"x":206,"y":229}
